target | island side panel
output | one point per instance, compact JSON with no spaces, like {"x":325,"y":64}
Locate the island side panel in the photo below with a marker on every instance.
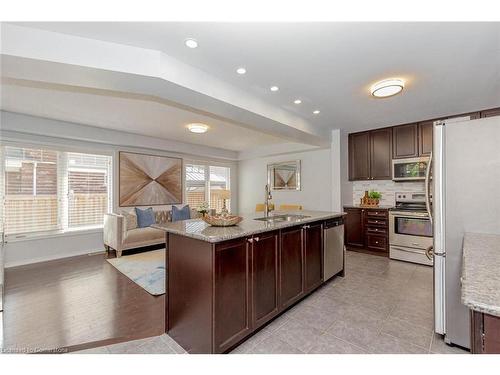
{"x":190,"y":275}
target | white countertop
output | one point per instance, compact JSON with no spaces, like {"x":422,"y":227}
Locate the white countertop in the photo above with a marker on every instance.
{"x":198,"y":229}
{"x":481,"y":273}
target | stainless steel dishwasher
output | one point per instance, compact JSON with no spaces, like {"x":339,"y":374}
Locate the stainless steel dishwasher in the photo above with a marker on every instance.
{"x":333,"y":249}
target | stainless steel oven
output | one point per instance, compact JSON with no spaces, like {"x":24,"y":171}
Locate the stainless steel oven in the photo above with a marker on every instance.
{"x":412,"y":169}
{"x":410,"y":229}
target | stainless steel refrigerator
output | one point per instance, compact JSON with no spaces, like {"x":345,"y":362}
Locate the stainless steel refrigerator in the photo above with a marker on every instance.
{"x":465,"y":198}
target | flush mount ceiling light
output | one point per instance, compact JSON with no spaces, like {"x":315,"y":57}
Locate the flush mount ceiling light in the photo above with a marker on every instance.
{"x":241,"y":70}
{"x":274,"y":88}
{"x":297,"y":101}
{"x":316,"y":112}
{"x":197,"y":128}
{"x":387,"y":87}
{"x":191,"y":43}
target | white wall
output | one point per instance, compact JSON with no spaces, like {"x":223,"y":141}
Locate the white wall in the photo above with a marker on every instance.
{"x":316,"y":181}
{"x":35,"y":130}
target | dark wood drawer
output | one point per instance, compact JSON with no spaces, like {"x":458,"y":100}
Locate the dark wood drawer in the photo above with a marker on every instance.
{"x":376,"y":222}
{"x":376,"y":242}
{"x":376,"y":213}
{"x":376,"y":230}
{"x":492,"y":328}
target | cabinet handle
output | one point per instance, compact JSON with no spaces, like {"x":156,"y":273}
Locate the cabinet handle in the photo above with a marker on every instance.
{"x":306,"y":227}
{"x":250,"y":240}
{"x":256,"y":239}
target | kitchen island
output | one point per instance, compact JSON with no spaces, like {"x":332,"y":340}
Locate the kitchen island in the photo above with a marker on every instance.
{"x":224,"y":284}
{"x":481,"y":290}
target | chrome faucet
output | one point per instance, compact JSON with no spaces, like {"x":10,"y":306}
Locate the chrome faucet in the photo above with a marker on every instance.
{"x":266,"y":201}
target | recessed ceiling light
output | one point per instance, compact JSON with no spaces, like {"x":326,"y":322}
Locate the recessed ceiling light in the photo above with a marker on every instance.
{"x":316,"y":112}
{"x":197,"y":128}
{"x":191,"y":43}
{"x":241,"y":70}
{"x":297,"y":101}
{"x":274,"y":88}
{"x":387,"y":87}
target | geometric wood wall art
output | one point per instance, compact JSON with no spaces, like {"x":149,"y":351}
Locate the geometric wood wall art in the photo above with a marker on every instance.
{"x":148,"y":180}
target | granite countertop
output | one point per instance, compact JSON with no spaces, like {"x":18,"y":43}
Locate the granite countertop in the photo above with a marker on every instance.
{"x":198,"y":229}
{"x":481,"y":273}
{"x":381,"y":207}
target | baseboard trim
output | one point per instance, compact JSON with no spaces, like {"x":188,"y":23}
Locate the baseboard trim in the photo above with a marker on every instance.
{"x":52,"y":257}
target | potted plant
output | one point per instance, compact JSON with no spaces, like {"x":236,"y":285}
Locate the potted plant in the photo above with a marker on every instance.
{"x":203,"y":208}
{"x":375,"y":197}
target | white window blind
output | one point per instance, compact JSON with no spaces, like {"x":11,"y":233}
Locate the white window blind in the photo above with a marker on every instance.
{"x":31,"y":199}
{"x":88,"y":185}
{"x":46,"y":190}
{"x":204,"y":183}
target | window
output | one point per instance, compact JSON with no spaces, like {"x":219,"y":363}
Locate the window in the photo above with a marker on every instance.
{"x":205,"y":183}
{"x":50,"y":190}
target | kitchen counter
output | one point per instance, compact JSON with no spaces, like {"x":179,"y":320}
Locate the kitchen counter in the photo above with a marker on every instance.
{"x":198,"y":229}
{"x":381,"y":207}
{"x":481,"y":273}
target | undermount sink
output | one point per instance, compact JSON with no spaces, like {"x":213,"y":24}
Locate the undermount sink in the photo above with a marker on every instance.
{"x":279,"y":218}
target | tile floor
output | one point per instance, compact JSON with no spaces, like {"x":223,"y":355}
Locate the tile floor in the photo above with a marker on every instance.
{"x":381,"y":306}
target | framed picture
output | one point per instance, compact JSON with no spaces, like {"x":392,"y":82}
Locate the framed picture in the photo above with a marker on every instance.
{"x":149,"y":180}
{"x":284,"y":175}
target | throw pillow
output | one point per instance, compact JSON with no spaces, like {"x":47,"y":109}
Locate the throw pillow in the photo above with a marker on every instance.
{"x":130,"y":220}
{"x":183,"y":213}
{"x":145,"y":218}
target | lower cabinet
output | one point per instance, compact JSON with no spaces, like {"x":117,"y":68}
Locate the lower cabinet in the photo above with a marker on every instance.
{"x":232,"y":294}
{"x":367,"y":229}
{"x":265,"y":277}
{"x":291,"y":266}
{"x":313,"y":256}
{"x":485,"y":333}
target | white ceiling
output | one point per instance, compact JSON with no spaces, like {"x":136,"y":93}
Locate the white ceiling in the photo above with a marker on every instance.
{"x":449,"y":67}
{"x":130,"y":114}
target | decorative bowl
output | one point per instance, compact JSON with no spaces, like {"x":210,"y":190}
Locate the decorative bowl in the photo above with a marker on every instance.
{"x":222,"y":220}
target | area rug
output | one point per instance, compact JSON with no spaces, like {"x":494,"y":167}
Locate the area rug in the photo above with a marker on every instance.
{"x":145,"y":269}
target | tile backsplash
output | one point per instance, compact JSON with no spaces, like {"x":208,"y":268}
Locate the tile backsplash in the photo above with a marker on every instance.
{"x":386,"y":187}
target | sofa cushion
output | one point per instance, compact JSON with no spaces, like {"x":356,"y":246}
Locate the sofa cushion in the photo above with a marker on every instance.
{"x":145,"y":218}
{"x":141,"y":235}
{"x":162,"y":216}
{"x":183,"y":213}
{"x":130,"y":220}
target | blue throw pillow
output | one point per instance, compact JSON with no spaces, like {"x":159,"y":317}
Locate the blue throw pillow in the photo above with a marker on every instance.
{"x":183,"y":213}
{"x":145,"y":218}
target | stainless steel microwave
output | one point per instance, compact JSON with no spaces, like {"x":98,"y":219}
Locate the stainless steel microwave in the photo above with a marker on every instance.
{"x":411,"y":169}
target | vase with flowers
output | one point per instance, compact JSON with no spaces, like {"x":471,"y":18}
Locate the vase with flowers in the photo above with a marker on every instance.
{"x":203,"y":208}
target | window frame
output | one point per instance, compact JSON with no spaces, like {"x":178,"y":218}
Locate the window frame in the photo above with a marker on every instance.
{"x":207,"y":165}
{"x":62,"y":189}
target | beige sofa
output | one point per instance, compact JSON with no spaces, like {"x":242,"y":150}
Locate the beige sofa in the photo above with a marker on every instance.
{"x":121,"y":232}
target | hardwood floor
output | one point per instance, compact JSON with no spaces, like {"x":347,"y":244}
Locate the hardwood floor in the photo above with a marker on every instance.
{"x":76,"y":303}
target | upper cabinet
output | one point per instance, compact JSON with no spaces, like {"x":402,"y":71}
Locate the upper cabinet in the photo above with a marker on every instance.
{"x":405,"y":141}
{"x":381,"y":154}
{"x":490,"y":112}
{"x":359,"y":156}
{"x":425,"y":138}
{"x":371,"y":152}
{"x":370,"y":155}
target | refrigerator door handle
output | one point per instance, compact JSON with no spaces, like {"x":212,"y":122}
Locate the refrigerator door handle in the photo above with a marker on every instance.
{"x":427,"y":188}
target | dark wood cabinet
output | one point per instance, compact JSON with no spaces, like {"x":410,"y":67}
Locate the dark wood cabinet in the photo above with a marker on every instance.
{"x":370,"y":155}
{"x":313,"y":256}
{"x":359,"y":156}
{"x":291,"y":266}
{"x":232,"y":293}
{"x":367,"y":229}
{"x":485,"y":333}
{"x":405,"y":141}
{"x":381,"y":154}
{"x":265,"y":275}
{"x":490,"y":112}
{"x":425,"y":138}
{"x":353,"y":227}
